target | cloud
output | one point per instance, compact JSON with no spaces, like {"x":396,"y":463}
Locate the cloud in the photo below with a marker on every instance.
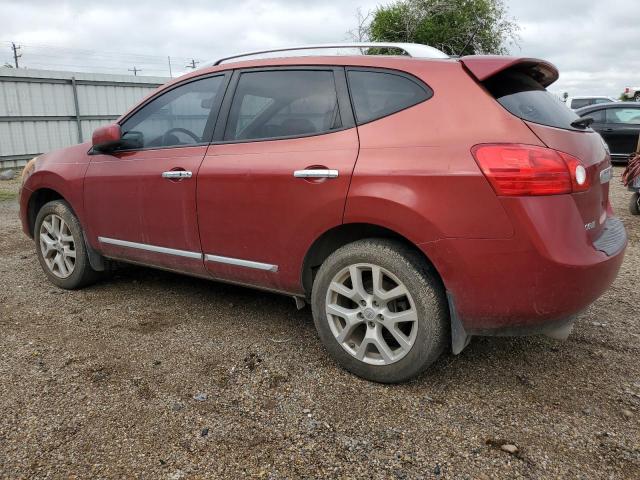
{"x":596,"y":45}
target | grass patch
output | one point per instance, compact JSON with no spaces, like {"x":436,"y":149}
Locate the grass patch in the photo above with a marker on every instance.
{"x":7,"y":195}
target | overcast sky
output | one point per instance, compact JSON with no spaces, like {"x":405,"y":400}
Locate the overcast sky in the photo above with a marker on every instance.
{"x":595,"y":44}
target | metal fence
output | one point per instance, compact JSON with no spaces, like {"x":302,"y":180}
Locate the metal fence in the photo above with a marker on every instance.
{"x":43,"y":110}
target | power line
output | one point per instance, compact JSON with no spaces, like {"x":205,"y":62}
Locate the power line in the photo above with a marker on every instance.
{"x":49,"y":56}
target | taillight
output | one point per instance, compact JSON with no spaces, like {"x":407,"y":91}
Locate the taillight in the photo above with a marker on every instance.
{"x":514,"y":169}
{"x":627,"y":90}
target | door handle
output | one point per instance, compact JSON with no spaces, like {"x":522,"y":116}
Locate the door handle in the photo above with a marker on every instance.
{"x":316,"y":173}
{"x":177,"y":174}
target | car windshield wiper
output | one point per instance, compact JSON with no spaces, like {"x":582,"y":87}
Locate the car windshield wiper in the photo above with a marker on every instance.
{"x":583,"y":122}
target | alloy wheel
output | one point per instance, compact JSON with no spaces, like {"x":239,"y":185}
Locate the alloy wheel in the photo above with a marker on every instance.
{"x":57,"y":246}
{"x":371,"y":314}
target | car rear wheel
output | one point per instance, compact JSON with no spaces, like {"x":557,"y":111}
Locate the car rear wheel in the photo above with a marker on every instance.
{"x":60,"y":247}
{"x":636,"y":97}
{"x":380,"y":310}
{"x":634,"y":204}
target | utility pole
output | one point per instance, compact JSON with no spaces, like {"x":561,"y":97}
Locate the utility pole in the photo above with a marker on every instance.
{"x":192,"y":64}
{"x":135,"y":70}
{"x":16,"y":56}
{"x":170,"y":72}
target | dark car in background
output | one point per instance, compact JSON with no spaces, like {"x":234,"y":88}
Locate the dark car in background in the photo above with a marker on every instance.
{"x":618,"y":124}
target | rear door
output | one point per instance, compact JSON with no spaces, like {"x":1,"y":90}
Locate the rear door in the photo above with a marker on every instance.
{"x":277,"y":175}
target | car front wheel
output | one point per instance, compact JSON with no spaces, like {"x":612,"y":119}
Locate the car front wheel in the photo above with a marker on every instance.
{"x":60,"y":247}
{"x":380,"y":310}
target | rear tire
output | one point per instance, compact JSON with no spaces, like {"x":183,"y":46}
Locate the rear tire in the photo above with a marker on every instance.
{"x":380,"y":310}
{"x":634,"y":204}
{"x":636,"y":97}
{"x":60,"y":247}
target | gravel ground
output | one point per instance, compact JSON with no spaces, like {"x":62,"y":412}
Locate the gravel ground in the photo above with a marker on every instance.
{"x":156,"y":375}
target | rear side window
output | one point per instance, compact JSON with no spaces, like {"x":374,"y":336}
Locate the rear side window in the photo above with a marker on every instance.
{"x":581,"y":102}
{"x":283,"y":103}
{"x":378,"y":94}
{"x":527,"y":99}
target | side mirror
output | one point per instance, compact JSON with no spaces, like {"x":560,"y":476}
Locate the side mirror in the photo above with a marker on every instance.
{"x":106,"y":137}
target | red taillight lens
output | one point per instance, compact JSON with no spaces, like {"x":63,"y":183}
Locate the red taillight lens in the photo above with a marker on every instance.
{"x":530,"y":170}
{"x":626,"y":90}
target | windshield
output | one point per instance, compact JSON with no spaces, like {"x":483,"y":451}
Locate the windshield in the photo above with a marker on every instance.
{"x":527,"y":99}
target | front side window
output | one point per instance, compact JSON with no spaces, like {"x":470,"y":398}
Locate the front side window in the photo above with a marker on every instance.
{"x":176,"y":118}
{"x":378,"y":94}
{"x":623,"y":115}
{"x":283,"y":103}
{"x":598,"y":116}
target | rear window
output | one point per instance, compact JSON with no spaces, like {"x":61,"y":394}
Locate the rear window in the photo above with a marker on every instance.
{"x":376,"y":94}
{"x":527,"y":99}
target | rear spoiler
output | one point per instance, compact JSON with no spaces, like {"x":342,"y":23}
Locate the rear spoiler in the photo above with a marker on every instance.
{"x":485,"y":66}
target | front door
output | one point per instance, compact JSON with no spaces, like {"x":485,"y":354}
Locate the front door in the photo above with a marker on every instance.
{"x":277,"y":177}
{"x":142,"y":199}
{"x":622,"y":129}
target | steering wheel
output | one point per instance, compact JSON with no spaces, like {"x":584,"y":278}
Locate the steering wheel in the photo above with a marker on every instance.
{"x":196,"y":139}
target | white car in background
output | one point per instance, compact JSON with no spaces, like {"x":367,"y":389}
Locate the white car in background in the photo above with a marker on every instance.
{"x":578,"y":102}
{"x":632,"y":93}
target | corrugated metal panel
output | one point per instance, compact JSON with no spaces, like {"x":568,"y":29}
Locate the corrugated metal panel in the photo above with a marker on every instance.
{"x":41,"y":93}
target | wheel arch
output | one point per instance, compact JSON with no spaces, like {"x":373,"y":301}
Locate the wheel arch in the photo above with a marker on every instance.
{"x":341,"y":235}
{"x":37,"y":200}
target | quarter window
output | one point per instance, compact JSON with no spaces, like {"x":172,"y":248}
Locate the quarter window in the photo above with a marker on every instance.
{"x":176,"y":118}
{"x":283,"y":103}
{"x":378,"y":94}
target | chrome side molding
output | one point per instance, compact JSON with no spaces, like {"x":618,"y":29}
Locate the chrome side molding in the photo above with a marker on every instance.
{"x":150,"y":248}
{"x":238,"y":262}
{"x":316,"y":173}
{"x":241,"y":263}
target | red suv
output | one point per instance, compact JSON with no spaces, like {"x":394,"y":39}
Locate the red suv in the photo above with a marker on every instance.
{"x":413,"y":200}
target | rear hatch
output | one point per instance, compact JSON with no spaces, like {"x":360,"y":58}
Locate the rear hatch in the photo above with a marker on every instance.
{"x":519,"y":86}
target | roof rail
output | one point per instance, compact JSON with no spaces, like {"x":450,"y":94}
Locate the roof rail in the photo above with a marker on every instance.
{"x":415,"y":50}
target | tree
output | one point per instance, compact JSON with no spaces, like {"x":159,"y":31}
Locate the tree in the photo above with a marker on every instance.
{"x":456,"y":27}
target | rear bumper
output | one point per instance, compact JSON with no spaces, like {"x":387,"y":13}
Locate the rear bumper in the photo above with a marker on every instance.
{"x":531,"y":283}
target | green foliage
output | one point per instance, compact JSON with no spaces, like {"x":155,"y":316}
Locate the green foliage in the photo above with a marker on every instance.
{"x":457,"y":27}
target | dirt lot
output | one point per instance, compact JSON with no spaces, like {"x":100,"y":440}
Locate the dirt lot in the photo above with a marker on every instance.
{"x":100,"y":383}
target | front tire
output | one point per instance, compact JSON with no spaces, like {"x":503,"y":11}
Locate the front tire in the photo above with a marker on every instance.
{"x":60,"y":247}
{"x":634,"y":204}
{"x":380,"y":310}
